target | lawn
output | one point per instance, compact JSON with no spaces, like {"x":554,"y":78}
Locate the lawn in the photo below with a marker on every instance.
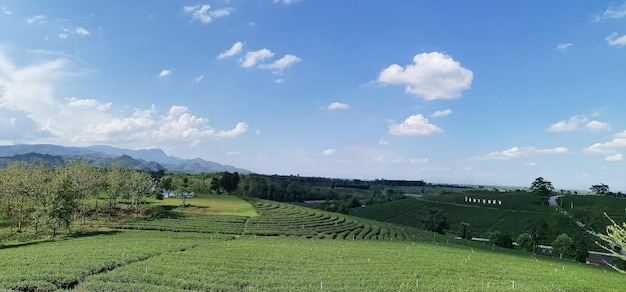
{"x":212,"y":205}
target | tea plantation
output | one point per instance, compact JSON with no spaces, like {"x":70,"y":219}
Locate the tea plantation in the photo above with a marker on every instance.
{"x":281,"y":247}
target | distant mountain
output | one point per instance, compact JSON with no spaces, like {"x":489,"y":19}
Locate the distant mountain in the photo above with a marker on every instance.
{"x":145,"y":159}
{"x":47,"y":159}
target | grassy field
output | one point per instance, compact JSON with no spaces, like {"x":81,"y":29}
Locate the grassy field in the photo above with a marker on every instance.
{"x":167,"y":261}
{"x":212,"y":205}
{"x":283,"y":247}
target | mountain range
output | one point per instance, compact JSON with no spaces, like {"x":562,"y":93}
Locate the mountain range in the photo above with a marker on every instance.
{"x":102,"y":155}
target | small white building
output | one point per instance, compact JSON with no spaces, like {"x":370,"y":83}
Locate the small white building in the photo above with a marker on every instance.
{"x":172,"y":194}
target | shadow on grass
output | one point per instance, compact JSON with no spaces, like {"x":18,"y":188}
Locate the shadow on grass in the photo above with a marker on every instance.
{"x":72,"y":235}
{"x":161,"y":212}
{"x":87,"y":233}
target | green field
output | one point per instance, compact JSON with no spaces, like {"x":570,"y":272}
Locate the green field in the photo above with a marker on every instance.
{"x":167,"y":261}
{"x":482,"y":219}
{"x":213,"y":205}
{"x":282,"y":247}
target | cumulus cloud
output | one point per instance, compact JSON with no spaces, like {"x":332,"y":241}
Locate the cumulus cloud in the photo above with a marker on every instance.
{"x":563,"y":46}
{"x":442,"y":113}
{"x":519,"y":152}
{"x":88,"y":104}
{"x":609,"y":149}
{"x":62,"y":35}
{"x":31,"y":110}
{"x":328,"y":152}
{"x":282,"y":63}
{"x":234,"y":49}
{"x":530,"y":164}
{"x":414,"y":125}
{"x":577,"y":123}
{"x":252,"y":58}
{"x":614,"y":157}
{"x":338,"y":105}
{"x":612,"y":13}
{"x":82,"y":31}
{"x":203,"y":13}
{"x":432,"y":76}
{"x":383,"y":142}
{"x":615,"y":40}
{"x":165,"y":72}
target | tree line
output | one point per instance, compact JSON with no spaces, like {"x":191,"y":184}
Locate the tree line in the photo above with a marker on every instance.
{"x":41,"y":197}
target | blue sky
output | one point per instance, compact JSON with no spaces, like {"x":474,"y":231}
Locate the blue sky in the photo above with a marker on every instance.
{"x":476,"y":92}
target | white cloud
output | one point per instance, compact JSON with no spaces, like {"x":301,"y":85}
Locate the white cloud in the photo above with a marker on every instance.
{"x":233,"y":153}
{"x":197,"y":79}
{"x":62,"y":35}
{"x":419,"y":160}
{"x":87,"y":104}
{"x":82,"y":31}
{"x":31,"y":112}
{"x":288,"y":2}
{"x":595,"y":126}
{"x":383,"y":142}
{"x":530,"y":164}
{"x":563,"y":46}
{"x":234,"y":49}
{"x":614,"y":40}
{"x":328,"y":152}
{"x":6,"y":11}
{"x":615,"y":157}
{"x":577,"y":123}
{"x":442,"y":113}
{"x":519,"y":152}
{"x":39,"y":19}
{"x":282,"y":63}
{"x":610,"y":147}
{"x":252,"y":58}
{"x":612,"y":13}
{"x":338,"y":105}
{"x":432,"y":75}
{"x":203,"y":13}
{"x":165,"y":72}
{"x":239,"y":129}
{"x":414,"y":125}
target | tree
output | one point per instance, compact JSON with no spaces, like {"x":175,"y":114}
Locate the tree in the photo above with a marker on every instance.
{"x":86,"y":181}
{"x":26,"y":183}
{"x":58,"y":205}
{"x":615,"y":240}
{"x":563,"y":245}
{"x":465,"y":231}
{"x":432,"y":219}
{"x":581,"y":251}
{"x":116,"y":185}
{"x":525,"y":241}
{"x":500,"y":239}
{"x":138,"y":186}
{"x":538,"y":229}
{"x":229,"y":181}
{"x":600,"y":189}
{"x":542,"y":187}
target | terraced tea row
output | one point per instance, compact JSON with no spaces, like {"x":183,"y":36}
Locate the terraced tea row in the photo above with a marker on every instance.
{"x":295,"y":264}
{"x":186,"y":222}
{"x":291,"y":220}
{"x":49,"y":266}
